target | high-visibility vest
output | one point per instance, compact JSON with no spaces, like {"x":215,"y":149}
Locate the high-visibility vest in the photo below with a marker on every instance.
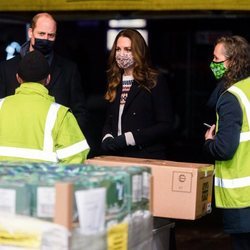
{"x":41,"y":144}
{"x":232,"y":177}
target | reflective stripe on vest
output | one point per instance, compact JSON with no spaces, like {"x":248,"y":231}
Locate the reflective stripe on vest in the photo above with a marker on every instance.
{"x":1,"y":102}
{"x":72,"y":150}
{"x":47,"y":153}
{"x":232,"y":183}
{"x":28,"y":153}
{"x":244,"y":136}
{"x":50,"y":122}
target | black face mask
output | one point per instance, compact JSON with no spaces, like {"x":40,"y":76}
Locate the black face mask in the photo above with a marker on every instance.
{"x":43,"y":45}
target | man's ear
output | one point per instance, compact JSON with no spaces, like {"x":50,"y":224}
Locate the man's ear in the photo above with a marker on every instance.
{"x":19,"y":79}
{"x":47,"y":80}
{"x":30,"y":31}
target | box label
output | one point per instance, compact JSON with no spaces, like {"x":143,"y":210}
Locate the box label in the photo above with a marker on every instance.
{"x":8,"y":200}
{"x":182,"y":182}
{"x":118,"y":237}
{"x":91,"y":209}
{"x":137,"y":188}
{"x":46,"y":197}
{"x":205,"y":188}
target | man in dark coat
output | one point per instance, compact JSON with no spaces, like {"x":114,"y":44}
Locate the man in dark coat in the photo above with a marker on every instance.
{"x":65,"y":84}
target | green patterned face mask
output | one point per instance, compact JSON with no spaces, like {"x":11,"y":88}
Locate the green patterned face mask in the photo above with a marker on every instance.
{"x":218,"y":69}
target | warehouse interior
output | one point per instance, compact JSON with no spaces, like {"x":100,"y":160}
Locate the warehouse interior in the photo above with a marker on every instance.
{"x":181,"y":45}
{"x":184,"y":42}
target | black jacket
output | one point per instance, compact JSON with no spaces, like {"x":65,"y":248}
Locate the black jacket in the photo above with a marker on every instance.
{"x":230,"y":120}
{"x":65,"y":84}
{"x":148,"y":115}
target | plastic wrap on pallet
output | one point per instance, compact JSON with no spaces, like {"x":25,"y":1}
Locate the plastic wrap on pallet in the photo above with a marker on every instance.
{"x":140,"y":230}
{"x":27,"y":232}
{"x":110,"y":205}
{"x":80,"y":241}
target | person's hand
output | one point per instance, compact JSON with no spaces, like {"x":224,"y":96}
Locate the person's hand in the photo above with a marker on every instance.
{"x":113,"y":144}
{"x":210,"y":133}
{"x":107,"y":144}
{"x":120,"y":142}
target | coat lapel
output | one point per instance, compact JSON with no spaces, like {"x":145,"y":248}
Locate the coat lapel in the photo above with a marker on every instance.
{"x":55,"y":72}
{"x":134,"y":90}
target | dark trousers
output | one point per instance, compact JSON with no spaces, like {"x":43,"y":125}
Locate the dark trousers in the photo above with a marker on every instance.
{"x":241,"y":241}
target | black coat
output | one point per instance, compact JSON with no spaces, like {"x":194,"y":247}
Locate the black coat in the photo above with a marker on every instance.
{"x":148,"y":115}
{"x":65,"y":84}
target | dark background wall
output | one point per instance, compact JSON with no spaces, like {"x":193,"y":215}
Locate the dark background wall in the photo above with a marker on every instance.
{"x":181,"y":46}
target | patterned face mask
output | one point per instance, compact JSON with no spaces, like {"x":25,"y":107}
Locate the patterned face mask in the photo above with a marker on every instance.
{"x":124,"y":61}
{"x":218,"y":69}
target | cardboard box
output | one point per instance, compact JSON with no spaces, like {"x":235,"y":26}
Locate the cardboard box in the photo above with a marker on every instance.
{"x":180,"y":190}
{"x":64,"y":204}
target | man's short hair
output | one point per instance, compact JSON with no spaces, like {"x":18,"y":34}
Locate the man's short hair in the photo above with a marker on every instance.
{"x":33,"y":67}
{"x":37,"y":16}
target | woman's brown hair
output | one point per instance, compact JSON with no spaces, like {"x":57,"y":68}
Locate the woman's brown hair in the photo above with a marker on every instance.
{"x":144,"y":74}
{"x":237,"y":52}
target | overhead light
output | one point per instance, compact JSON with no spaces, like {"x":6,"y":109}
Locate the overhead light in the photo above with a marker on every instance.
{"x":112,"y":33}
{"x":125,"y":23}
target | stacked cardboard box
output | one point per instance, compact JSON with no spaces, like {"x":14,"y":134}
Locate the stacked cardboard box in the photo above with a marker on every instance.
{"x":180,"y":190}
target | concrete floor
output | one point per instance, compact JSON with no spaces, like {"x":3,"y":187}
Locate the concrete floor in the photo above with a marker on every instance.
{"x":205,"y":233}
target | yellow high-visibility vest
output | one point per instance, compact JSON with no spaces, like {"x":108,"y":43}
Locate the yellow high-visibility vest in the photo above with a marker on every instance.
{"x":35,"y":128}
{"x":232,"y":177}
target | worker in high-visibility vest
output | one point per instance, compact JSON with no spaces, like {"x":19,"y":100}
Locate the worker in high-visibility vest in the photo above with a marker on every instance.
{"x":32,"y":126}
{"x":228,"y":142}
